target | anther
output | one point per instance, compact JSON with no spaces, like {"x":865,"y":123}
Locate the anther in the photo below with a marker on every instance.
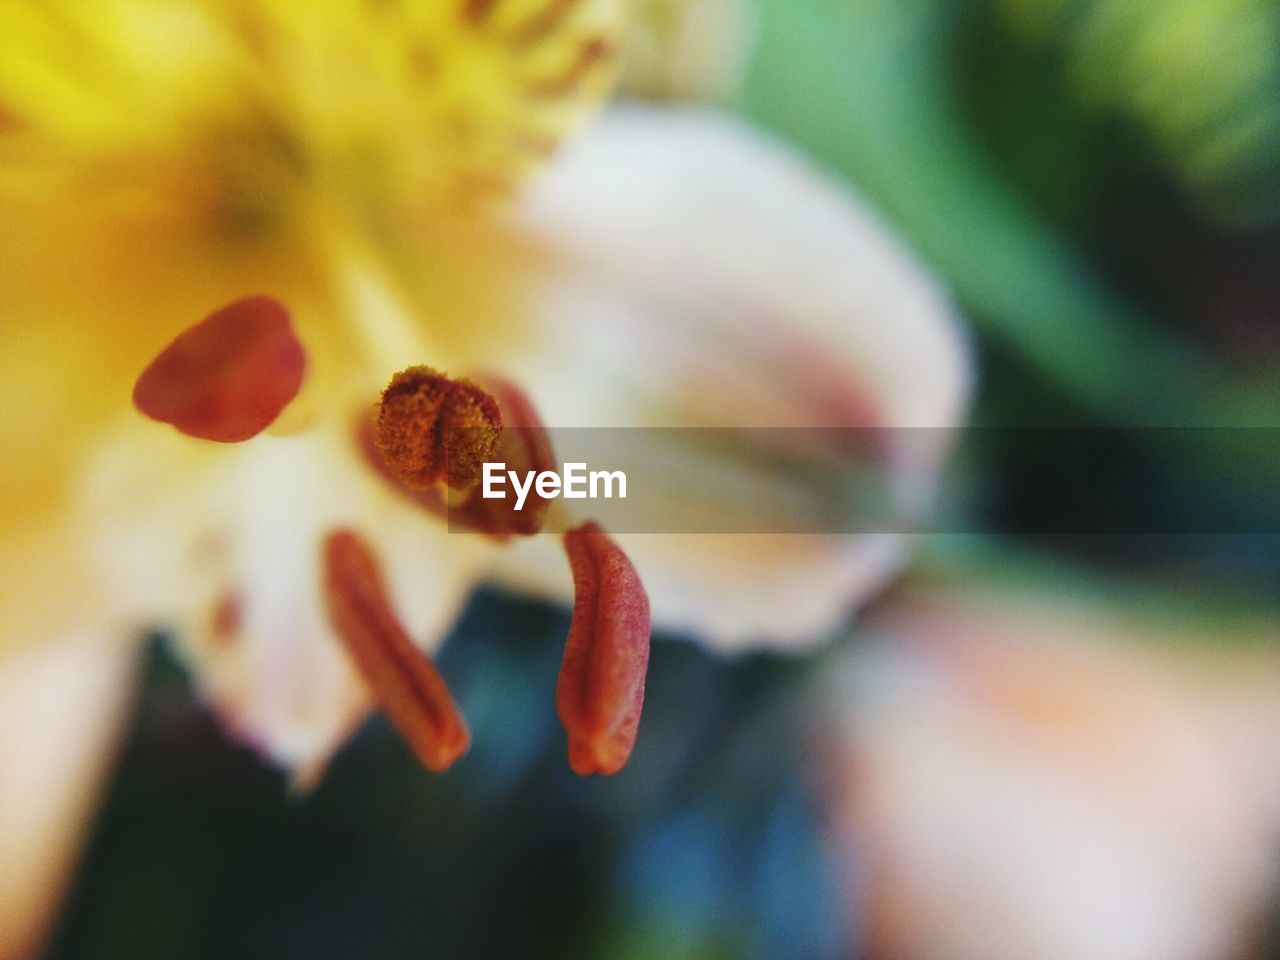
{"x":601,"y":687}
{"x":228,"y":377}
{"x":430,"y":499}
{"x":524,"y":446}
{"x":432,"y":428}
{"x":405,"y":683}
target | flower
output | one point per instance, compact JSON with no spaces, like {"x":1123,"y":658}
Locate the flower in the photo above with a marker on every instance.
{"x":366,"y":166}
{"x":1026,"y":775}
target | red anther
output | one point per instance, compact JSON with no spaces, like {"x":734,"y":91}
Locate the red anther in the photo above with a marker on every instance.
{"x":524,"y":446}
{"x":432,"y":499}
{"x":601,"y":687}
{"x":228,"y":377}
{"x":432,"y":428}
{"x":405,"y":683}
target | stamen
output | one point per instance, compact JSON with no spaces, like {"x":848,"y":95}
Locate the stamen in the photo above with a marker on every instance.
{"x":403,"y":680}
{"x":228,"y":377}
{"x":432,"y":428}
{"x":601,"y":686}
{"x":592,"y":54}
{"x":432,"y":499}
{"x":524,"y":446}
{"x":543,"y":23}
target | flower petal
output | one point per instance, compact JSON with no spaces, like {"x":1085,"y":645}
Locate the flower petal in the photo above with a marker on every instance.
{"x":225,"y":545}
{"x":739,"y":269}
{"x":62,"y":715}
{"x":1103,"y":787}
{"x":708,"y":277}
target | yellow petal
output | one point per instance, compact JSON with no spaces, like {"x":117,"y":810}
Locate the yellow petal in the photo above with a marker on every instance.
{"x":242,"y":105}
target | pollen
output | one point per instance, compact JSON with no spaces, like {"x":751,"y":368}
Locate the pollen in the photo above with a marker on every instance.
{"x":600,"y":692}
{"x":433,"y":429}
{"x":406,"y":684}
{"x":228,"y":377}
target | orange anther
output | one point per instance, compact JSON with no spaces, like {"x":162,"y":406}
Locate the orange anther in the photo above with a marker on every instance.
{"x":601,"y":687}
{"x":405,"y":683}
{"x":228,"y":377}
{"x":524,"y":446}
{"x":432,"y":428}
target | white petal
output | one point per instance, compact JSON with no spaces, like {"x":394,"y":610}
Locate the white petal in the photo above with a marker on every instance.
{"x":707,"y":276}
{"x":63,"y":708}
{"x":713,"y":253}
{"x":189,"y":530}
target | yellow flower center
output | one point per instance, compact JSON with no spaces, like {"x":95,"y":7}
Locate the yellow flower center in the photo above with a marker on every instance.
{"x":242,"y":109}
{"x":161,"y":158}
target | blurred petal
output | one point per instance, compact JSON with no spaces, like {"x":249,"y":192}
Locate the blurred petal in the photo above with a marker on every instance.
{"x":707,"y":277}
{"x":688,"y":224}
{"x":1023,"y":778}
{"x":62,"y":714}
